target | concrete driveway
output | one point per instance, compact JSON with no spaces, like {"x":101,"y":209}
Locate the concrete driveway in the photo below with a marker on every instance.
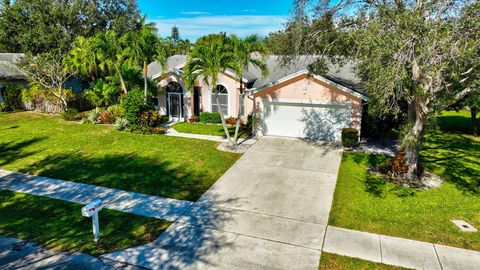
{"x":269,"y":211}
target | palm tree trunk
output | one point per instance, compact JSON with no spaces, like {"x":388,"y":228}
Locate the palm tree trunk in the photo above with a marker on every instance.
{"x":122,"y":82}
{"x":224,"y":124}
{"x":239,"y":115}
{"x":145,"y":71}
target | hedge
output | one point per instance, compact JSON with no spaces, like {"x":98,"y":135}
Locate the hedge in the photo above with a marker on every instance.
{"x":349,"y":137}
{"x":210,"y":117}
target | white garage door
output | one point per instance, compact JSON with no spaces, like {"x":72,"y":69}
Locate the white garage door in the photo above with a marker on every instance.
{"x":306,"y":120}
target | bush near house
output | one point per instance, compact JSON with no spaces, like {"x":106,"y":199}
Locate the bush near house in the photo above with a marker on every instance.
{"x":106,"y":117}
{"x":70,"y":114}
{"x":134,"y":105}
{"x":193,"y":119}
{"x":210,"y":117}
{"x":349,"y":137}
{"x":11,"y":98}
{"x":117,"y":110}
{"x":232,"y":121}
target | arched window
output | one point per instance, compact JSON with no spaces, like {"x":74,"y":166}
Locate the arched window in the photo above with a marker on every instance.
{"x":223,"y":97}
{"x":174,"y":87}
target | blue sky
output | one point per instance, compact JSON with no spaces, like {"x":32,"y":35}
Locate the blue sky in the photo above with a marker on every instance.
{"x":196,"y":18}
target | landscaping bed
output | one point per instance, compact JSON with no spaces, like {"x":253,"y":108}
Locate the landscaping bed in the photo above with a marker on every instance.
{"x":366,"y":202}
{"x":210,"y":129}
{"x":60,"y":225}
{"x":159,"y":165}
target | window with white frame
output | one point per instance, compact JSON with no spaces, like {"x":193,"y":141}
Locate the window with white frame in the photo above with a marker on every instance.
{"x":223,"y":97}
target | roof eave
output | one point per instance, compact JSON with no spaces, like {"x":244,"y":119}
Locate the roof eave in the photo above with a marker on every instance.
{"x":306,"y":72}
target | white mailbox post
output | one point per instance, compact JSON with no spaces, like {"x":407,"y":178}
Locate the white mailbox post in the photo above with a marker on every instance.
{"x":91,"y":210}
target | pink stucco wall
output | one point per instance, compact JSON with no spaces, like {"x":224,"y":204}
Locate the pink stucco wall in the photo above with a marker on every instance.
{"x":230,"y":83}
{"x":310,"y":89}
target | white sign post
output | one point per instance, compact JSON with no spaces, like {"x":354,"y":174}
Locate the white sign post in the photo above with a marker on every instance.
{"x":91,"y":210}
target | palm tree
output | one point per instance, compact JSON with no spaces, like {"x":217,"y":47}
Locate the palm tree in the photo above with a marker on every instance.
{"x":109,"y":51}
{"x":143,"y":47}
{"x":211,"y":55}
{"x":82,"y":60}
{"x":247,"y":51}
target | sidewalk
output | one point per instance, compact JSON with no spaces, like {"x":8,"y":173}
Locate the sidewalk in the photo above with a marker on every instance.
{"x":115,"y":199}
{"x":173,"y":133}
{"x":398,"y":251}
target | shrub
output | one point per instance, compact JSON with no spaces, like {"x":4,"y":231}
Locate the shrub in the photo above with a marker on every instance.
{"x":106,"y":117}
{"x":133,"y":104}
{"x":210,"y":117}
{"x":232,"y":121}
{"x":70,"y":114}
{"x":3,"y":107}
{"x":121,"y":124}
{"x":92,"y":117}
{"x":159,"y":130}
{"x":252,"y":121}
{"x":193,"y":119}
{"x":117,"y":110}
{"x":12,"y":98}
{"x":138,"y":129}
{"x":349,"y":137}
{"x":165,"y":118}
{"x":397,"y":166}
{"x":150,"y":118}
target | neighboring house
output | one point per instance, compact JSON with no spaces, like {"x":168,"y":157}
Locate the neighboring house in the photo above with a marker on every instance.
{"x":289,"y":101}
{"x":9,"y":74}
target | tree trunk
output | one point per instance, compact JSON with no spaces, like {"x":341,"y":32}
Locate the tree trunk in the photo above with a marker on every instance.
{"x":412,"y":143}
{"x":224,"y":124}
{"x":122,"y":82}
{"x":145,"y":81}
{"x":239,"y":115}
{"x":474,"y":112}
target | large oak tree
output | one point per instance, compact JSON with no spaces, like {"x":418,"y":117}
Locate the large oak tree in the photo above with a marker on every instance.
{"x":422,"y":52}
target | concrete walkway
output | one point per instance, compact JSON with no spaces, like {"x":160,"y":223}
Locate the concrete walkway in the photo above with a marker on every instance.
{"x":173,"y":133}
{"x":129,"y":202}
{"x":269,"y":211}
{"x":399,"y":251}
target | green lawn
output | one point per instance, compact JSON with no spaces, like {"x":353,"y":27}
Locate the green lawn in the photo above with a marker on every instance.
{"x":96,"y":154}
{"x":208,"y":129}
{"x":60,"y":225}
{"x":455,"y":122}
{"x":337,"y":262}
{"x":365,"y":202}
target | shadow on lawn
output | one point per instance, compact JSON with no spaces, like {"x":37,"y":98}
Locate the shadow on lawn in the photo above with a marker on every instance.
{"x":127,"y":172}
{"x":374,"y":184}
{"x":60,"y":225}
{"x":457,"y":124}
{"x":456,"y":158}
{"x":11,"y":151}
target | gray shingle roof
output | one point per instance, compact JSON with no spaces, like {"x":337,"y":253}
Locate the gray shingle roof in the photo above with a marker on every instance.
{"x":174,"y":61}
{"x":341,"y":74}
{"x":8,"y":69}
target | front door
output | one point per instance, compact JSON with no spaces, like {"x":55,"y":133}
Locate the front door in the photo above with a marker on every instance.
{"x":174,"y":106}
{"x":196,"y":101}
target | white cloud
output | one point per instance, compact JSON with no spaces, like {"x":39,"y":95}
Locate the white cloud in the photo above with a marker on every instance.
{"x":241,"y":25}
{"x":249,"y":10}
{"x":194,"y":13}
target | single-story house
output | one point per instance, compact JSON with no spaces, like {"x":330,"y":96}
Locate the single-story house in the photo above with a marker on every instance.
{"x":289,"y":101}
{"x":9,"y":73}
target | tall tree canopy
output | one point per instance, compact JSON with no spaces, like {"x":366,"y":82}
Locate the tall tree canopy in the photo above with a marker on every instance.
{"x":212,"y":55}
{"x":422,"y":52}
{"x":36,"y":26}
